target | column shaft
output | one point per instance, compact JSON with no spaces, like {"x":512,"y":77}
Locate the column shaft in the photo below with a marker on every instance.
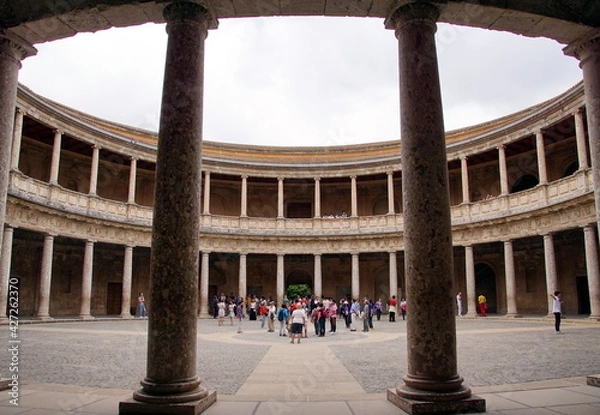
{"x":244,"y":197}
{"x":511,"y":284}
{"x":593,"y":270}
{"x":204,"y":283}
{"x":94,"y":170}
{"x":541,"y":157}
{"x":243,"y":276}
{"x":582,"y":155}
{"x":127,"y":274}
{"x":503,"y":171}
{"x":471,"y":288}
{"x":17,"y":138}
{"x":464,"y":175}
{"x":132,"y":180}
{"x":432,"y":365}
{"x":280,"y":278}
{"x":86,"y":281}
{"x":353,"y":197}
{"x":55,"y":163}
{"x":43,"y":311}
{"x":355,"y":276}
{"x":318,"y":276}
{"x":280,"y":197}
{"x":550,"y":268}
{"x":393,"y":274}
{"x":206,"y":207}
{"x":317,"y":197}
{"x":5,"y":264}
{"x":390,"y":191}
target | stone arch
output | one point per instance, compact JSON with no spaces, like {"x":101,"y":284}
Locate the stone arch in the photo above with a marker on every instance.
{"x":485,"y":283}
{"x":527,"y":181}
{"x":299,"y":276}
{"x":571,"y":168}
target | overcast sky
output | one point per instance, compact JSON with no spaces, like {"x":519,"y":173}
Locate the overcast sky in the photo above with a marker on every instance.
{"x":299,"y":81}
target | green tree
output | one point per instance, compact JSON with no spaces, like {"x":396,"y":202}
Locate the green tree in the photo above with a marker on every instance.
{"x":302,"y":290}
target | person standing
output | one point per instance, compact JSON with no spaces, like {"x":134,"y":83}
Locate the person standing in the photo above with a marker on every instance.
{"x":556,"y":309}
{"x":355,"y":314}
{"x":298,"y":322}
{"x":222,"y":310}
{"x":459,"y":304}
{"x":392,"y":308}
{"x":482,"y":301}
{"x":365,"y":315}
{"x":403,"y":308}
{"x":141,"y":305}
{"x":282,"y":317}
{"x":378,"y":307}
{"x":332,"y":316}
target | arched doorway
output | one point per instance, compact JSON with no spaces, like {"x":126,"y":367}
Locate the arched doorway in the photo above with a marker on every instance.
{"x":524,"y":182}
{"x":485,"y":283}
{"x":299,"y":277}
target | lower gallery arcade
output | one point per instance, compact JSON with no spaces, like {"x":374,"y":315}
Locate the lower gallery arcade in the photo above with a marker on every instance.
{"x":508,"y":209}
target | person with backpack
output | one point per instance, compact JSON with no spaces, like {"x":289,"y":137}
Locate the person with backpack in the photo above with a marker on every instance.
{"x":282,"y":317}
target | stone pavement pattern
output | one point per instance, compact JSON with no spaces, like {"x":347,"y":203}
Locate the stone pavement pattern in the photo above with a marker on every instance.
{"x":519,"y":367}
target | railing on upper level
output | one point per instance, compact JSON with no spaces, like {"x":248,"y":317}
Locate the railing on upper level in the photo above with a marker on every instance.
{"x":525,"y":202}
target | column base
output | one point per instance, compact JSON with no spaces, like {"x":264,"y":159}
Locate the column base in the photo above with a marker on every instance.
{"x":415,"y":407}
{"x":513,"y":315}
{"x":131,"y":406}
{"x":594,"y":318}
{"x":44,"y":318}
{"x":593,"y":380}
{"x":125,"y":316}
{"x":85,"y":317}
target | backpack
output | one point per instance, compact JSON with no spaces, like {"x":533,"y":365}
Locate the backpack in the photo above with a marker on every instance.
{"x":280,"y":314}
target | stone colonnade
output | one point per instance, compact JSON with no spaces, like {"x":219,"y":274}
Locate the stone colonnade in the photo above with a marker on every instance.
{"x":171,"y":384}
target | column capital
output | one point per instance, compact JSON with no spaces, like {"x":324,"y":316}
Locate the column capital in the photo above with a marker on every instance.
{"x":577,"y":111}
{"x":20,"y":111}
{"x":194,"y":10}
{"x":403,"y":14}
{"x":317,"y":179}
{"x":134,"y":158}
{"x":15,"y":47}
{"x":464,"y":157}
{"x":500,"y":147}
{"x":58,"y":132}
{"x":580,"y":48}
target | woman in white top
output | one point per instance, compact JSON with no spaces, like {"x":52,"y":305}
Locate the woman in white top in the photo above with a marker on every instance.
{"x":556,"y":309}
{"x":298,"y":321}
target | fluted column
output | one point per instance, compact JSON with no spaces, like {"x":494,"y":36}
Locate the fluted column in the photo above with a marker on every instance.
{"x":471,"y":288}
{"x":206,"y":207}
{"x":43,"y":311}
{"x":318,"y":278}
{"x":126,"y":290}
{"x":593,"y":270}
{"x":244,"y":197}
{"x":94,"y":170}
{"x":355,"y":276}
{"x":550,"y":268}
{"x":582,"y":155}
{"x":541,"y":157}
{"x":587,"y":50}
{"x":17,"y":138}
{"x":393,"y":273}
{"x":243,"y":275}
{"x":171,"y":369}
{"x":464,"y":176}
{"x":280,"y":197}
{"x":503,"y":170}
{"x":390,"y":192}
{"x":204,"y":283}
{"x":132,"y":180}
{"x":353,"y":197}
{"x":317,"y":197}
{"x":280,"y":278}
{"x":12,"y":51}
{"x":5,"y":263}
{"x":86,"y":281}
{"x":432,"y":380}
{"x":55,"y":163}
{"x":511,"y":280}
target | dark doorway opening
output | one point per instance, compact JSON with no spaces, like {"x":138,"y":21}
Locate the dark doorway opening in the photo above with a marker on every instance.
{"x":113,"y":298}
{"x":485,"y":283}
{"x":583,"y":295}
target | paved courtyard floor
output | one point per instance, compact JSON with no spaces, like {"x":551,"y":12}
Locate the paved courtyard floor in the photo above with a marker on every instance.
{"x":520,"y":366}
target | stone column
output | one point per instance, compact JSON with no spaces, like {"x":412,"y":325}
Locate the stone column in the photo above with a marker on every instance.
{"x":17,"y":137}
{"x":582,"y":155}
{"x":280,"y":197}
{"x":318,"y":278}
{"x":204,"y":283}
{"x":126,"y":291}
{"x":280,"y":278}
{"x":353,"y":197}
{"x":43,"y":311}
{"x":243,"y":275}
{"x":464,"y":175}
{"x":244,"y":197}
{"x":541,"y":156}
{"x":12,"y":50}
{"x":317,"y":197}
{"x":587,"y":50}
{"x":171,"y":384}
{"x":86,"y":281}
{"x":550,"y":268}
{"x":206,"y":209}
{"x":593,"y":272}
{"x":5,"y":263}
{"x":393,"y":274}
{"x":390,"y":191}
{"x":432,"y":383}
{"x":503,"y":170}
{"x":511,"y":281}
{"x":94,"y":169}
{"x":132,"y":180}
{"x":471,"y":288}
{"x":55,"y":163}
{"x":355,"y":276}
